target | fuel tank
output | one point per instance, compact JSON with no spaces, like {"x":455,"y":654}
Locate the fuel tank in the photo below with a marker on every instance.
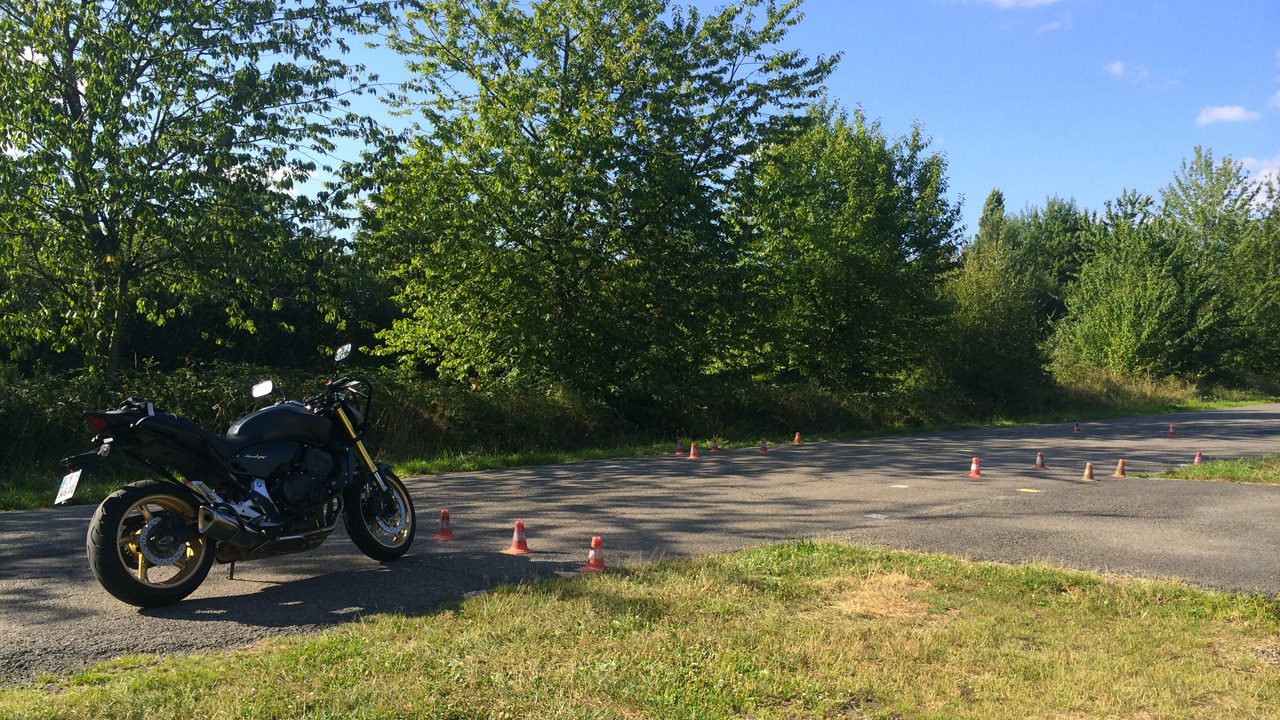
{"x":266,"y":458}
{"x":284,"y":421}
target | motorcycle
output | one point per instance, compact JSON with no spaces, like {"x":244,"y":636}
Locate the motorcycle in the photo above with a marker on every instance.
{"x":275,"y":484}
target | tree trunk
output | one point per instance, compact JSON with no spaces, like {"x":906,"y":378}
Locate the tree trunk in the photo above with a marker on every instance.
{"x":117,"y":337}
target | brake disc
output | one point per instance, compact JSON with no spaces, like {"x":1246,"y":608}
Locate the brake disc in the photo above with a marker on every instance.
{"x":398,"y":513}
{"x":154,"y":551}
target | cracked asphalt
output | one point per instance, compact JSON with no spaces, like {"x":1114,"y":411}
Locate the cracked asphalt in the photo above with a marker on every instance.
{"x":906,"y":492}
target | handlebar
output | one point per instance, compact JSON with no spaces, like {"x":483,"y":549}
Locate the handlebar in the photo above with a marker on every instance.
{"x":347,"y":385}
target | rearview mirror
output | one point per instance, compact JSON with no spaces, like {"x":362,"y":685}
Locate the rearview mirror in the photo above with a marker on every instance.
{"x":263,"y":389}
{"x":342,"y":353}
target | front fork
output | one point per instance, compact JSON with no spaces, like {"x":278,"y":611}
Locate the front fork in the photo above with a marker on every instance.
{"x":364,"y":454}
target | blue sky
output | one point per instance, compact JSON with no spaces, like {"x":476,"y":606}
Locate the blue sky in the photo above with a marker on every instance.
{"x":1076,"y":98}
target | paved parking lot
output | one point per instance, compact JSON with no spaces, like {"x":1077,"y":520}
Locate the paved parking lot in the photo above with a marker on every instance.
{"x":905,"y":492}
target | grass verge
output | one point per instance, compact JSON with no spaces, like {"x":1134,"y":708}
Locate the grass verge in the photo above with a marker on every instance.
{"x":801,"y":630}
{"x":1264,"y":469}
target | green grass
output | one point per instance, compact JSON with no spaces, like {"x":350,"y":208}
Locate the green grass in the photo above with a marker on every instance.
{"x":799,"y":630}
{"x":1264,"y":469}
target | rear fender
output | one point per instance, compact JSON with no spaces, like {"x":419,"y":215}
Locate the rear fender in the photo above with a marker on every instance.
{"x":84,"y":462}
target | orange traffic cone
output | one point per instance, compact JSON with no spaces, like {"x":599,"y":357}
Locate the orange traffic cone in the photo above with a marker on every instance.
{"x":764,"y":446}
{"x":518,"y":544}
{"x":1077,"y":430}
{"x":1088,"y":473}
{"x":446,"y":530}
{"x":1171,"y":432}
{"x":1040,"y":462}
{"x":679,"y":448}
{"x":715,"y":444}
{"x":797,"y":442}
{"x":973,"y":469}
{"x":595,"y":557}
{"x":1119,"y":470}
{"x":693,"y":451}
{"x":1199,"y":458}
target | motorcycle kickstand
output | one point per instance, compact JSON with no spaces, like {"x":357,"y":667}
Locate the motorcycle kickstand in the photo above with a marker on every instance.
{"x":231,"y":570}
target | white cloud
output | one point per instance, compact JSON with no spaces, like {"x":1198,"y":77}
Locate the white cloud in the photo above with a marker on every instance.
{"x":1274,"y":102}
{"x":1226,"y":113}
{"x":1121,"y":69}
{"x":1062,"y":23}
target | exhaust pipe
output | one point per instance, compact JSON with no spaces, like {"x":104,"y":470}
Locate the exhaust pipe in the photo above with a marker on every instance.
{"x":224,"y":526}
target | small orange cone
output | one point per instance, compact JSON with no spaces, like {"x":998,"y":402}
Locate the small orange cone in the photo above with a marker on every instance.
{"x":1171,"y":432}
{"x":715,"y":444}
{"x":764,"y":446}
{"x":1040,"y":462}
{"x":679,"y":448}
{"x":446,"y":530}
{"x":797,"y":442}
{"x":1077,"y":430}
{"x":595,"y":557}
{"x":973,"y":469}
{"x":1119,"y":470}
{"x":693,"y":451}
{"x":1199,"y":458}
{"x":1088,"y":473}
{"x":518,"y":544}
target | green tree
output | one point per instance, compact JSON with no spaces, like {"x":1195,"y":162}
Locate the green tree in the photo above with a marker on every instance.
{"x":1214,"y":204}
{"x":992,"y":344}
{"x":1142,"y":305}
{"x":1255,"y":275}
{"x":849,"y":233}
{"x":1056,"y":239}
{"x":995,"y":226}
{"x":149,"y":147}
{"x":560,"y":216}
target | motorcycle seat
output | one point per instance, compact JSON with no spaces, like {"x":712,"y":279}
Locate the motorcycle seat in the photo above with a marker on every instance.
{"x":222,"y":447}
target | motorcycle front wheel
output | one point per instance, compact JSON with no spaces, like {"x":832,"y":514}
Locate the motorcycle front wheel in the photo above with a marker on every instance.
{"x":381,"y":523}
{"x":143,"y":547}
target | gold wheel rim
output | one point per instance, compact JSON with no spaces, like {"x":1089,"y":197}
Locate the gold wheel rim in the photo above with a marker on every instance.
{"x":129,"y":542}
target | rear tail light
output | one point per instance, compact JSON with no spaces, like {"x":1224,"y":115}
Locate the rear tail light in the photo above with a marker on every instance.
{"x":97,"y":422}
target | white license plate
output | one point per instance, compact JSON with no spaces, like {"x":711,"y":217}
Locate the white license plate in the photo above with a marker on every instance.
{"x":68,"y":488}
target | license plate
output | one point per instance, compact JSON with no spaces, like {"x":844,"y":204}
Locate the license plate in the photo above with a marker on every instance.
{"x":68,"y":488}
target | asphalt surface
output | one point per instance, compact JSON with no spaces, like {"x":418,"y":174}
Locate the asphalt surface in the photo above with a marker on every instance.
{"x":908,"y":492}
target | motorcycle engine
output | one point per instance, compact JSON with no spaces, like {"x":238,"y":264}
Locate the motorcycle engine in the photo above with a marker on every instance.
{"x":306,"y":483}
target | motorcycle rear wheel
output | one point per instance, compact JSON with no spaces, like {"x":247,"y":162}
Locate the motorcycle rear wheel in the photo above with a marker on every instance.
{"x":381,"y":524}
{"x":132,"y":549}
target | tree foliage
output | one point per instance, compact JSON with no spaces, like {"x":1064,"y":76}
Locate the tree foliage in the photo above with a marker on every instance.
{"x":992,"y":335}
{"x":1055,"y":243}
{"x":560,"y":216}
{"x":995,"y":226}
{"x":848,"y":232}
{"x":1213,"y":204}
{"x":1143,"y":304}
{"x":149,"y":147}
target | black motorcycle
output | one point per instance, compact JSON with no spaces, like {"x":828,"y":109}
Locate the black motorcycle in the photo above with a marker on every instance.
{"x":275,"y":484}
